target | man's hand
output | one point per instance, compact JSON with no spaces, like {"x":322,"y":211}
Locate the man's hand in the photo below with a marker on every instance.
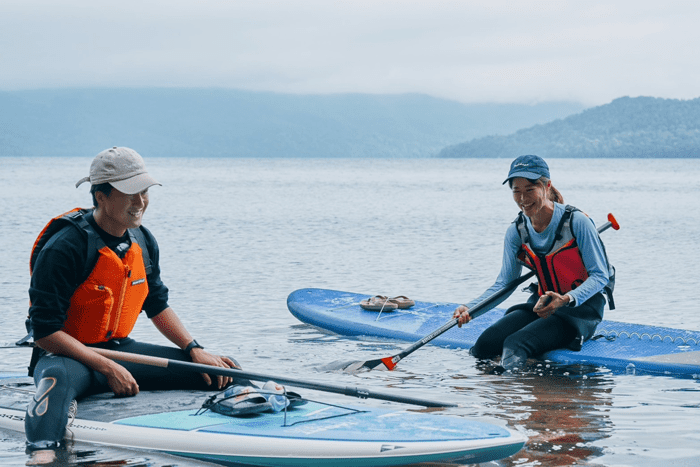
{"x":205,"y":358}
{"x":171,"y":327}
{"x":121,"y":382}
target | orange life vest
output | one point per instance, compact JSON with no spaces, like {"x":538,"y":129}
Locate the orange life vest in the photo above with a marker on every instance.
{"x":107,"y":303}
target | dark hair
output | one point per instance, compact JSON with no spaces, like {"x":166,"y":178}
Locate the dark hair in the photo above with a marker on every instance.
{"x":105,"y":188}
{"x":554,"y":194}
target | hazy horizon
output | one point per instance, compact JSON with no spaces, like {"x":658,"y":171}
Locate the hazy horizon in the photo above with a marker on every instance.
{"x":470,"y":52}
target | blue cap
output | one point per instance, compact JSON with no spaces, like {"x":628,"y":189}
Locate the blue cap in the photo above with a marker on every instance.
{"x":530,"y":167}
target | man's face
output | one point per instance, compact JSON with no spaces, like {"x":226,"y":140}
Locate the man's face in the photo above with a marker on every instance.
{"x":120,"y":211}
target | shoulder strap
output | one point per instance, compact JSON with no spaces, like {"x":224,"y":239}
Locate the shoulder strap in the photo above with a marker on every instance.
{"x":522,"y":228}
{"x":136,"y":235}
{"x":76,"y":218}
{"x":94,"y":243}
{"x":565,"y":220}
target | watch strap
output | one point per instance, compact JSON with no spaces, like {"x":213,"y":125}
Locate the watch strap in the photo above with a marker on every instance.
{"x":192,"y":345}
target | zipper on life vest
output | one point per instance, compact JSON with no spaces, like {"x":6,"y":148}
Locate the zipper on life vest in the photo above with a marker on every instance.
{"x":115,"y":326}
{"x":111,"y":302}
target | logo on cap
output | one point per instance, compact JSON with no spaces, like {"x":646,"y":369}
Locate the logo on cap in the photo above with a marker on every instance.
{"x":531,"y":167}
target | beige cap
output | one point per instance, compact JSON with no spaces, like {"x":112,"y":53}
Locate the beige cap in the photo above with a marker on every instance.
{"x":123,"y":168}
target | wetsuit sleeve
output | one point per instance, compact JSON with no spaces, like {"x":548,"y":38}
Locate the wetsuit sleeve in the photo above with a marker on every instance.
{"x":594,"y":258}
{"x":56,"y":275}
{"x":510,"y":267}
{"x":157,"y":299}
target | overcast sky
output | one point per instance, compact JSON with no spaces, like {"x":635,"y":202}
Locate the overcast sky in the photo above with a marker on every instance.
{"x":471,"y":50}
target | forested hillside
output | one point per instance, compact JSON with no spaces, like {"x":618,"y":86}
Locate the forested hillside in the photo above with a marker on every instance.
{"x":627,"y":127}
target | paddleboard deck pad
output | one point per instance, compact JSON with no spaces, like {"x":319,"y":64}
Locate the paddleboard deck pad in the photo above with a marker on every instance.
{"x":620,"y":347}
{"x":312,"y":434}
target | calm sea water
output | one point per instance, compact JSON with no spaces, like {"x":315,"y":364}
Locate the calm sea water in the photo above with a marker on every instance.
{"x":238,"y":235}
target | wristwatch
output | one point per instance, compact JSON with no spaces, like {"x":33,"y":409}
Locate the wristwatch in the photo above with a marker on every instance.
{"x":191,"y":346}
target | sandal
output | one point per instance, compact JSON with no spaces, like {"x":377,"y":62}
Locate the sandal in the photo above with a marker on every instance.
{"x":402,"y":302}
{"x":378,"y":303}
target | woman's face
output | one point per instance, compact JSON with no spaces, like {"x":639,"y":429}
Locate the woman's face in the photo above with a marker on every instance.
{"x":530,"y":197}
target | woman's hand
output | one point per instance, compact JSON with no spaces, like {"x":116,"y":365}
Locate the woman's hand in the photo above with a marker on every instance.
{"x":549,"y":303}
{"x":462,"y":315}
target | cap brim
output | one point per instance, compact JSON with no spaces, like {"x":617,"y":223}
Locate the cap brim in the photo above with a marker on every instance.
{"x":135,"y":184}
{"x":528,"y":175}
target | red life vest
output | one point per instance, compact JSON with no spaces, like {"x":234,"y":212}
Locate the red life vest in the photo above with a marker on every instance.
{"x":561,"y":269}
{"x":107,"y":303}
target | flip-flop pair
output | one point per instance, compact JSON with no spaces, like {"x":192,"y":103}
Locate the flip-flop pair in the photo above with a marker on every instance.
{"x":383,"y":303}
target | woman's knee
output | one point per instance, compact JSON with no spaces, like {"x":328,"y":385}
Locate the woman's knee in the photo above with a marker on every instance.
{"x":520,"y":342}
{"x":488,"y":345}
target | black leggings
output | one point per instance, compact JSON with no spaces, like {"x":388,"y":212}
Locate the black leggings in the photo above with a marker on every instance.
{"x":521,"y":334}
{"x":60,"y":379}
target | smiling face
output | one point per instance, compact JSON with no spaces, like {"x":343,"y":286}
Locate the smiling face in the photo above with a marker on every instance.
{"x":118,"y":211}
{"x":530,"y":197}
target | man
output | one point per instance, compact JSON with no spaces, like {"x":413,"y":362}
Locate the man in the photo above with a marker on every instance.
{"x":93,"y":272}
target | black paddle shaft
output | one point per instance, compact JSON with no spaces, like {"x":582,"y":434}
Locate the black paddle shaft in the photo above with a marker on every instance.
{"x":477,"y":310}
{"x":345,"y":390}
{"x":238,"y":373}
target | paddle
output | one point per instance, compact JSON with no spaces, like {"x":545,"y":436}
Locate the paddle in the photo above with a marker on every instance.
{"x":236,"y":373}
{"x":477,"y":310}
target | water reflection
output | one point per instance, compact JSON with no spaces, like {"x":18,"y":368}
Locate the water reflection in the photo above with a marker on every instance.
{"x":562,"y":409}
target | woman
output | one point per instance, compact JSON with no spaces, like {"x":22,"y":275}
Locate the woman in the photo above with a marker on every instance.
{"x":562,"y":245}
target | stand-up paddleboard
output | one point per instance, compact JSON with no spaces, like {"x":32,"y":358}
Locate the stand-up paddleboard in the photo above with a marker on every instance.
{"x":617,"y":346}
{"x":312,"y":434}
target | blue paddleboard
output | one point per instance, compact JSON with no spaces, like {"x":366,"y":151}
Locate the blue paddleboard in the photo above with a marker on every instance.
{"x":617,"y":346}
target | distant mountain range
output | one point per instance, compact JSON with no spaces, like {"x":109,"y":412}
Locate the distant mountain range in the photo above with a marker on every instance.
{"x":233,"y":123}
{"x":627,"y":127}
